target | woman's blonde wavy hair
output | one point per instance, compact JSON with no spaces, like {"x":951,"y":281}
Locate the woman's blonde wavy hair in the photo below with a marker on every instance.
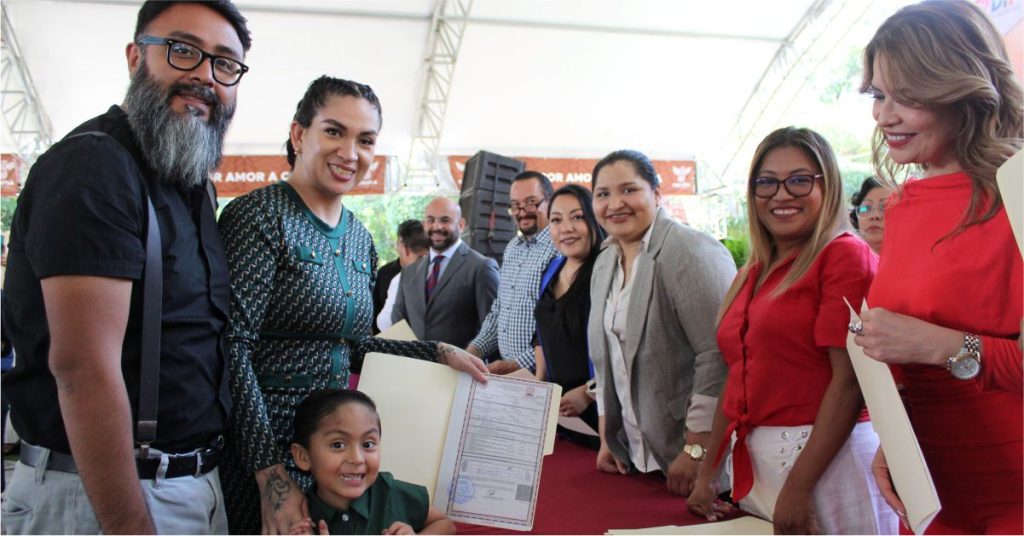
{"x":832,"y":218}
{"x":947,"y":54}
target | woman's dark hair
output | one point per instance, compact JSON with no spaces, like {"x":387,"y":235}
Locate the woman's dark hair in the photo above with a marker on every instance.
{"x":153,"y":8}
{"x":586,"y":200}
{"x":318,"y":405}
{"x":316,"y":97}
{"x":640,"y":162}
{"x":869,"y":184}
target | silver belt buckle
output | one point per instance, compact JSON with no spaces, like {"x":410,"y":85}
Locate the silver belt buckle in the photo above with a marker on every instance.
{"x":199,"y":464}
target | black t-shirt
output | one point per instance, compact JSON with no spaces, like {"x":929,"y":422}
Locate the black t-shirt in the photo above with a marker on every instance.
{"x":562,"y":328}
{"x":83,"y":212}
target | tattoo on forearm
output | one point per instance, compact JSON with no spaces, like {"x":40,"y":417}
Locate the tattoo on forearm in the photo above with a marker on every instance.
{"x":444,"y":351}
{"x":277,"y":490}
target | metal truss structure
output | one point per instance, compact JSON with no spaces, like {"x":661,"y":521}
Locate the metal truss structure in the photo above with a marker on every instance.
{"x":823,"y":26}
{"x":23,"y":114}
{"x":423,"y":169}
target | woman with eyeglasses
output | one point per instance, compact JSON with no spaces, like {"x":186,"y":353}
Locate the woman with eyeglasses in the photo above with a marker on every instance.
{"x":792,"y":409}
{"x":946,"y":305}
{"x":654,"y":293}
{"x":868,"y":214}
{"x":563,"y":307}
{"x":302,"y":272}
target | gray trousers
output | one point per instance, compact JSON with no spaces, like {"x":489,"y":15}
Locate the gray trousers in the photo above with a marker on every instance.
{"x":54,"y":502}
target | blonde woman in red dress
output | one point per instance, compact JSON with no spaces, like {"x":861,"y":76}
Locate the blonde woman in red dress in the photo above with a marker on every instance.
{"x":947,"y":299}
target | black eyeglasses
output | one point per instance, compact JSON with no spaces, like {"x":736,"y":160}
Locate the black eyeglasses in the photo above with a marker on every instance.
{"x":185,"y":57}
{"x":530,"y":206}
{"x":796,"y":185}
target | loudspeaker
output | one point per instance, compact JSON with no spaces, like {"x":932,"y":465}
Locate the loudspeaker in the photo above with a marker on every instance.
{"x":484,"y":201}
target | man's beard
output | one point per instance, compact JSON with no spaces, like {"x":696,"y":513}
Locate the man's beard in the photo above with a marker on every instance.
{"x":447,"y":239}
{"x":531,"y":228}
{"x":181,"y":148}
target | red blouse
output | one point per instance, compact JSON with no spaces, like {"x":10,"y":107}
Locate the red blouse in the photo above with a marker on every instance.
{"x":970,"y":431}
{"x":777,"y":346}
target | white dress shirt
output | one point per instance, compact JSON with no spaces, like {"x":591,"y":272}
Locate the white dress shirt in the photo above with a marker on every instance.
{"x":384,"y":318}
{"x":702,"y":407}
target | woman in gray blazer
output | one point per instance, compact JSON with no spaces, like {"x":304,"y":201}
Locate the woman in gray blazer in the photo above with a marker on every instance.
{"x":655,"y":291}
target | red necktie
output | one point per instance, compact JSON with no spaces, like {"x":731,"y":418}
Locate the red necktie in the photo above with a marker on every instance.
{"x":435,"y":272}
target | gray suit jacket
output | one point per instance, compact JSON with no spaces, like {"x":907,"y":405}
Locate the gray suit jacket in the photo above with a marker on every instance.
{"x":678,"y":286}
{"x":459,"y":303}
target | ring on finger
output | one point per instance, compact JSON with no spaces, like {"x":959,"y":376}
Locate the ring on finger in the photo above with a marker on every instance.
{"x":856,"y":327}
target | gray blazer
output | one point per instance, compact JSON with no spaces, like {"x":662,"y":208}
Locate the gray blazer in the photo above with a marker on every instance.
{"x":678,"y":286}
{"x":459,"y":303}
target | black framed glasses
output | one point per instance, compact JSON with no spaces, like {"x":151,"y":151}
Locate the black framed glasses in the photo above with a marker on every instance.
{"x":530,"y":206}
{"x":186,"y":57}
{"x":796,"y":185}
{"x":866,"y":209}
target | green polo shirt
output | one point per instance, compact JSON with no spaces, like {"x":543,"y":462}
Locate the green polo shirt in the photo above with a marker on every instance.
{"x":388,"y":500}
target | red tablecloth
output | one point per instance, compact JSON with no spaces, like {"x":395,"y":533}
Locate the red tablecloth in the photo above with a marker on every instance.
{"x":576,"y":498}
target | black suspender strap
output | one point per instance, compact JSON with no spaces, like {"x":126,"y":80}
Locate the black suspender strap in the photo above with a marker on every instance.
{"x":152,"y":312}
{"x":152,"y":305}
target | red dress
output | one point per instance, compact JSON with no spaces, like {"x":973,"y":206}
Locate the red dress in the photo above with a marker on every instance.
{"x":777,"y":346}
{"x":970,"y":431}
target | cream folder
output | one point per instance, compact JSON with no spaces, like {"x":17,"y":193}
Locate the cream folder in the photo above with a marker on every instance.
{"x":906,"y":462}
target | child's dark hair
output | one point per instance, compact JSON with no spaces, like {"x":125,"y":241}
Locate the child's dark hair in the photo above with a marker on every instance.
{"x":319,"y":91}
{"x":318,"y":405}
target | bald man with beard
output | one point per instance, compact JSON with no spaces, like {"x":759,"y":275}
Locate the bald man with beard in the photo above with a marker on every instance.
{"x":446,"y":295}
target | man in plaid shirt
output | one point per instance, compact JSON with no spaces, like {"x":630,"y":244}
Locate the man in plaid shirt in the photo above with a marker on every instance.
{"x":510,"y":326}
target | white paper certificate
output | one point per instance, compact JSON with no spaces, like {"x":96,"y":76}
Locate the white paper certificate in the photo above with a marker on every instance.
{"x":490,"y":471}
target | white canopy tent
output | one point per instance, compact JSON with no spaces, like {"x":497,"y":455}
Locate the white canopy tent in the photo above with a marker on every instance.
{"x":559,"y":78}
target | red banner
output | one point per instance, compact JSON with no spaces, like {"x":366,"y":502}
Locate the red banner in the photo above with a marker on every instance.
{"x":678,"y":177}
{"x":239,"y":175}
{"x":10,"y":175}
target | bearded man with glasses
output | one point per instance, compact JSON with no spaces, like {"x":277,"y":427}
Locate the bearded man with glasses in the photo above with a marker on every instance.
{"x":510,"y":326}
{"x":75,"y":285}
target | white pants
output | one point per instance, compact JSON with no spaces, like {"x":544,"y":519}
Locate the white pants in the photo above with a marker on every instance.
{"x":54,"y":502}
{"x":846,"y":499}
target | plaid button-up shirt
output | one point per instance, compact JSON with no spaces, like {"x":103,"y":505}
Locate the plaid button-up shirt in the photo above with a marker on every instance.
{"x":510,"y":325}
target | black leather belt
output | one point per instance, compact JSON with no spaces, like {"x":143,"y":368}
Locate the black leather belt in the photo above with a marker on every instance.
{"x":195,"y":463}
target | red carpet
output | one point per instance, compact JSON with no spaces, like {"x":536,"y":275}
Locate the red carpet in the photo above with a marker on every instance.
{"x":576,"y":498}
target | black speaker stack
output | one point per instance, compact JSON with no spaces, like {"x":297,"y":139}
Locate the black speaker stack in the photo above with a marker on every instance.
{"x":484,"y":201}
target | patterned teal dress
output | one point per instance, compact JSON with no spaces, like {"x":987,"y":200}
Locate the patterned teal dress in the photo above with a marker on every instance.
{"x":301,"y":308}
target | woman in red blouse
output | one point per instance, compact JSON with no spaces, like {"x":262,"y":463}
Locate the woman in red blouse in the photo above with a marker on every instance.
{"x":946,"y":305}
{"x":802,"y":446}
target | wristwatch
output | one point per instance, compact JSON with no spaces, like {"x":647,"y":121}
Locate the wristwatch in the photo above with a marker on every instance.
{"x":966,"y":364}
{"x":696,"y":453}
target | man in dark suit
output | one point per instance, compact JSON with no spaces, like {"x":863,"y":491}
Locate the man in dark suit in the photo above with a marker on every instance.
{"x":446,"y":295}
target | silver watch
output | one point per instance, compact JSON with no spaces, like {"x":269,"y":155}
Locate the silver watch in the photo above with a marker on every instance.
{"x":966,"y":364}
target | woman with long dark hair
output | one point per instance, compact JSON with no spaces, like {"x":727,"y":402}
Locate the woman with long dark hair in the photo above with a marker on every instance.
{"x":563,"y":306}
{"x":302,"y":272}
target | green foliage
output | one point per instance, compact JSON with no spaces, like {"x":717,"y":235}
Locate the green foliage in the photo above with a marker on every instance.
{"x":7,"y":205}
{"x":381,"y":215}
{"x":737,"y":239}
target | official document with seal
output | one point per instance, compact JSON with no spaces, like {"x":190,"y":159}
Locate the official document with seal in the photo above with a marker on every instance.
{"x":490,"y":470}
{"x":473,"y":446}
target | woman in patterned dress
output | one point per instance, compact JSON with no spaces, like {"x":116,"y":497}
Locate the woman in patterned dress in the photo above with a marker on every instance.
{"x":302,"y":271}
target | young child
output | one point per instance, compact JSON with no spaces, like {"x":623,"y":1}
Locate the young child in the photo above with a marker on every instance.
{"x":337,"y":440}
